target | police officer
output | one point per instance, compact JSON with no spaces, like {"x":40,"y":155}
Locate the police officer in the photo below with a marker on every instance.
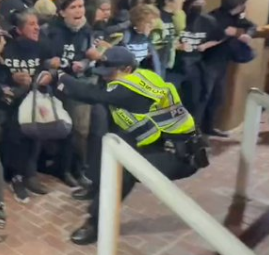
{"x":147,"y":113}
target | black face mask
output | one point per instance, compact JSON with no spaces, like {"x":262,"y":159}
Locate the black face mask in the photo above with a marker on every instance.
{"x":193,"y":12}
{"x":242,"y":11}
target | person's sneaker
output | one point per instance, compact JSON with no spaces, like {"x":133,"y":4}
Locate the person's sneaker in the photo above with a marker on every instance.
{"x":2,"y":216}
{"x":84,"y":194}
{"x":20,"y":192}
{"x":217,"y":133}
{"x":69,"y":180}
{"x":87,"y":234}
{"x":35,"y":186}
{"x":83,"y":180}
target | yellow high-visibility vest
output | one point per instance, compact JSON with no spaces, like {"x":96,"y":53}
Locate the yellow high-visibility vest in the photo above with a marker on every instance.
{"x":165,"y":115}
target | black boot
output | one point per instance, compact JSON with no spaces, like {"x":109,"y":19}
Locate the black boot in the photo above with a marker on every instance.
{"x":87,"y":234}
{"x":69,"y":180}
{"x":84,"y":194}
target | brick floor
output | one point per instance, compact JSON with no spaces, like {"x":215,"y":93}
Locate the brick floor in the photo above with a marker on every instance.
{"x":148,"y":227}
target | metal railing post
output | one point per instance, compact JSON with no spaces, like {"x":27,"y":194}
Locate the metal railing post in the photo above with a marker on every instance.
{"x":248,"y":146}
{"x":110,"y":202}
{"x":219,"y":237}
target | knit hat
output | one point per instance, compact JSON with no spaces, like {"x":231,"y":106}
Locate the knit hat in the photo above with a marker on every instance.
{"x":231,"y":4}
{"x":187,"y":4}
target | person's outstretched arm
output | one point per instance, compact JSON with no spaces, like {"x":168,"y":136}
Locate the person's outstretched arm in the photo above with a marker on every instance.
{"x":92,"y":94}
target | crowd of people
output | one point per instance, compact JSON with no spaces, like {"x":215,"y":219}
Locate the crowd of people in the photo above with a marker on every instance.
{"x":152,"y":41}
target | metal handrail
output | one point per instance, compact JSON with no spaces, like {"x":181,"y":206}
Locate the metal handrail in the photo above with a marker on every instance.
{"x":255,"y":102}
{"x":117,"y":153}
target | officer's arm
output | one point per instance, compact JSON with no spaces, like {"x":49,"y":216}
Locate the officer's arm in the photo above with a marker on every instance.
{"x":92,"y":94}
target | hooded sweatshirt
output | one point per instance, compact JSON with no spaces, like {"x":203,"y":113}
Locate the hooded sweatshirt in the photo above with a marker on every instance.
{"x":68,"y":44}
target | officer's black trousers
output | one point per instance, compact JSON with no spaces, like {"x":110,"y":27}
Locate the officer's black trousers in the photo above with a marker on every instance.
{"x":165,"y":162}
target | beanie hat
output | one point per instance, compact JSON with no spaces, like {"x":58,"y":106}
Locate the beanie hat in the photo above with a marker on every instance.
{"x":231,"y":4}
{"x":187,"y":4}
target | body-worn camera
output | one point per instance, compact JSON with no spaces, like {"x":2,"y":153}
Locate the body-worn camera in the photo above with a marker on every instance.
{"x":196,"y":153}
{"x":192,"y":151}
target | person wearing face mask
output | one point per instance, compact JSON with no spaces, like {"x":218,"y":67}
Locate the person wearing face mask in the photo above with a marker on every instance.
{"x":174,"y":21}
{"x":24,"y":56}
{"x":231,"y":19}
{"x":201,"y":32}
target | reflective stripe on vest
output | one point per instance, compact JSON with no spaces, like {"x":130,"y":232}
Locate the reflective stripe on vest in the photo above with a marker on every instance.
{"x":164,"y":117}
{"x":140,"y":130}
{"x":140,"y":88}
{"x":171,"y":119}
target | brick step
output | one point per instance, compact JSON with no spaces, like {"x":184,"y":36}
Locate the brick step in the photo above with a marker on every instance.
{"x":125,"y":249}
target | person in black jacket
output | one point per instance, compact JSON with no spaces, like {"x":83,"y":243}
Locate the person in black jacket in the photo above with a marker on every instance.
{"x":129,"y":91}
{"x":201,"y":32}
{"x":24,"y":56}
{"x":71,"y":37}
{"x":5,"y":98}
{"x":231,"y":19}
{"x":105,"y":24}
